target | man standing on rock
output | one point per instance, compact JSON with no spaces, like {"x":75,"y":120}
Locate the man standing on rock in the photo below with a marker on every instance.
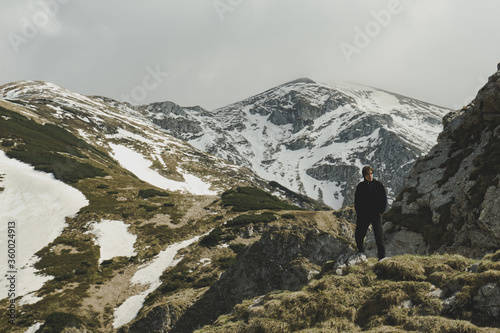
{"x":370,"y":202}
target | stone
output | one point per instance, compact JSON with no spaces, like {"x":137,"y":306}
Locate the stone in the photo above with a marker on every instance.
{"x":490,"y":211}
{"x":488,"y":300}
{"x":435,"y":292}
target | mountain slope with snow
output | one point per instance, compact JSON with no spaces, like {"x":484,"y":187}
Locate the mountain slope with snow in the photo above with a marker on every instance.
{"x":311,"y":137}
{"x":78,"y":171}
{"x":36,"y":205}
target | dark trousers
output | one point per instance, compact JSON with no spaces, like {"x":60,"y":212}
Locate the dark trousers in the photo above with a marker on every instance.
{"x":362,"y":225}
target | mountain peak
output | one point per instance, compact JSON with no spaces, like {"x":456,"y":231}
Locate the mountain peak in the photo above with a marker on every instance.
{"x":314,"y":138}
{"x":301,"y":80}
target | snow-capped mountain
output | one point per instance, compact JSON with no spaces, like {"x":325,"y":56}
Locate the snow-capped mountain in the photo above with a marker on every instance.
{"x":310,"y":137}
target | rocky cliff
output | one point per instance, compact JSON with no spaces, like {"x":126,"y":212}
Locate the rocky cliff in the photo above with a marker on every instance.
{"x":451,"y":198}
{"x":281,"y":260}
{"x":287,"y":254}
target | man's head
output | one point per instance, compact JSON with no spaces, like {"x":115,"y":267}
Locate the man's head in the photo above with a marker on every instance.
{"x":368,"y":173}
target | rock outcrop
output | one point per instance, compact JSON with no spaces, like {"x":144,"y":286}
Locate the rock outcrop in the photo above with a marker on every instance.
{"x":451,"y":198}
{"x":284,"y":258}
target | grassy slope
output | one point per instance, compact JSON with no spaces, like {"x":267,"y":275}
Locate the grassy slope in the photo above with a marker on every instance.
{"x":388,"y":296}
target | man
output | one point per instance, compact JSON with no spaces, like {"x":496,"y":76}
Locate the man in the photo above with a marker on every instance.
{"x":370,"y":202}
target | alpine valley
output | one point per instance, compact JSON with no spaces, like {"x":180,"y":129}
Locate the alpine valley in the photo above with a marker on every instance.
{"x":162,"y":218}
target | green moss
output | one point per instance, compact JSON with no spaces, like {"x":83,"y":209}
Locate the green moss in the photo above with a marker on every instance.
{"x":49,"y":148}
{"x":111,"y":266}
{"x":226,"y":262}
{"x":493,"y":256}
{"x":7,"y":143}
{"x":237,"y":247}
{"x":371,"y":297}
{"x":213,"y":238}
{"x":381,"y":300}
{"x":438,"y":324}
{"x":62,"y":167}
{"x":149,"y":193}
{"x":243,"y":199}
{"x":78,"y":264}
{"x":205,"y":281}
{"x":161,"y":233}
{"x":58,"y":321}
{"x":406,"y":268}
{"x":149,"y":208}
{"x":246,"y":219}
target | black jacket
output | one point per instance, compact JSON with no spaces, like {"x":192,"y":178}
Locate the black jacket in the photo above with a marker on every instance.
{"x":370,"y":198}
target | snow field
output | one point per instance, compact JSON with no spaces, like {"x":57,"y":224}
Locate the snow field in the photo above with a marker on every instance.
{"x":140,"y":166}
{"x":38,"y":204}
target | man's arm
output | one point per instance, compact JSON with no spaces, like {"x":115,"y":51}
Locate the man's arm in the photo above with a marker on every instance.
{"x":357,"y":200}
{"x":383,"y":199}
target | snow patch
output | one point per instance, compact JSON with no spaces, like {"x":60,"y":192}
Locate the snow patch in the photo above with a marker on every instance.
{"x":205,"y":261}
{"x":113,"y":239}
{"x":140,"y":166}
{"x":39,"y":205}
{"x":148,"y":275}
{"x":34,"y":328}
{"x":386,"y":102}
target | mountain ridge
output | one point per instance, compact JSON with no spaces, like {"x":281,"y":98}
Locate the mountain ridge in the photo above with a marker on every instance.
{"x":310,"y":137}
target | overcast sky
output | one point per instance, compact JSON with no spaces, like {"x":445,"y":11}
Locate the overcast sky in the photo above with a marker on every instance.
{"x":215,"y":52}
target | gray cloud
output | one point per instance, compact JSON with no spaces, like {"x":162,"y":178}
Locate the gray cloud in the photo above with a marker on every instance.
{"x":215,"y":52}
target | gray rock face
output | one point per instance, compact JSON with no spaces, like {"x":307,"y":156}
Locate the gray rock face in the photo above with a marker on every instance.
{"x":451,"y":197}
{"x":160,"y":319}
{"x":488,"y":218}
{"x":282,"y":259}
{"x":485,"y":304}
{"x":488,"y":300}
{"x":364,"y":127}
{"x":398,"y":243}
{"x":174,"y":119}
